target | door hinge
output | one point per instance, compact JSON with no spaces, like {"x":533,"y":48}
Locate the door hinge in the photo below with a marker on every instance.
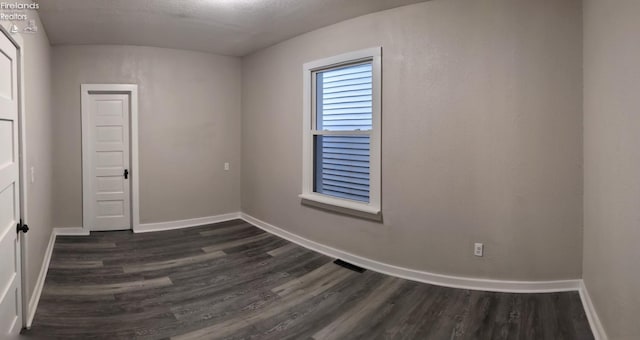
{"x":22,"y":227}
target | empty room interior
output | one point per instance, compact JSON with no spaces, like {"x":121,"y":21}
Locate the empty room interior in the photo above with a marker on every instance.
{"x":320,"y":169}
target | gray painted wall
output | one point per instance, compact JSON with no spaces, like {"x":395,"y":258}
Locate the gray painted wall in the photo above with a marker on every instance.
{"x":482,"y":138}
{"x":38,"y":118}
{"x":189,"y":117}
{"x":612,"y":163}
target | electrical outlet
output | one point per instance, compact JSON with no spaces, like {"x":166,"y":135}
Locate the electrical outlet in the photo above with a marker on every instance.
{"x":226,"y":166}
{"x":478,"y":249}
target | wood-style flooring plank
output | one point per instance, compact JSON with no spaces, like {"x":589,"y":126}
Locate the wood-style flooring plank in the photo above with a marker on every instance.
{"x":282,"y":250}
{"x":352,"y":318}
{"x":183,"y":261}
{"x":236,"y":243}
{"x":107,"y":288}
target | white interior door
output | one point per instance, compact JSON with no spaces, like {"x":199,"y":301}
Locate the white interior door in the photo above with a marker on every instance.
{"x":10,"y":265}
{"x":110,"y":206}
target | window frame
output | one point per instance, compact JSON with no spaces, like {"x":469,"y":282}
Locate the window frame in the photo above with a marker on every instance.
{"x":372,"y":209}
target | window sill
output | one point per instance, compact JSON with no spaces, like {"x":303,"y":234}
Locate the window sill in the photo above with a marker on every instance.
{"x":342,"y":206}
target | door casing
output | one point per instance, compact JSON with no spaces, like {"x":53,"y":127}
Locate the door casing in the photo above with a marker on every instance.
{"x":86,"y":91}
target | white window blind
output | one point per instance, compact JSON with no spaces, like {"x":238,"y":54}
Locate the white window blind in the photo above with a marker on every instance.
{"x":343,"y":106}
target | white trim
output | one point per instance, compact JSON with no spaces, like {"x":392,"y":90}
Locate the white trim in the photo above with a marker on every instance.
{"x":132,"y":90}
{"x":37,"y":291}
{"x":417,"y":275}
{"x":193,"y":222}
{"x":135,"y":169}
{"x":373,"y":54}
{"x":592,"y":315}
{"x":340,"y":202}
{"x":339,"y":59}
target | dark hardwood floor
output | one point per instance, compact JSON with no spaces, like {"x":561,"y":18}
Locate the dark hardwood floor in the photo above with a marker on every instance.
{"x":234,"y":281}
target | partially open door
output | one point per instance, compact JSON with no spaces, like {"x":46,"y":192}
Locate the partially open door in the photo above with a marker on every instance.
{"x":10,"y":225}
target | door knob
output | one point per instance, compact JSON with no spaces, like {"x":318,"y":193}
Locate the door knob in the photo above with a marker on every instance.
{"x":22,"y":227}
{"x":126,"y":173}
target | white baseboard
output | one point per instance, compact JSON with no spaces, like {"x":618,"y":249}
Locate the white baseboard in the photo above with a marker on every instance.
{"x":37,"y":291}
{"x":421,"y":276}
{"x":594,"y":320}
{"x":160,"y":226}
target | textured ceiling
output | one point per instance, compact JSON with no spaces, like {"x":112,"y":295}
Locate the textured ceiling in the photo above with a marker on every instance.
{"x":228,"y":27}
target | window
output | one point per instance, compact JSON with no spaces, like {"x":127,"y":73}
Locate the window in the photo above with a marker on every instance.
{"x":341,"y":160}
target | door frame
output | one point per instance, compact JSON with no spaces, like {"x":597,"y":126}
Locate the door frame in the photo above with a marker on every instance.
{"x":18,"y":42}
{"x":87,"y":192}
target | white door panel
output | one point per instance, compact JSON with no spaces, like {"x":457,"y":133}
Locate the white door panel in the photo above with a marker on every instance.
{"x":10,"y":265}
{"x":6,"y":139}
{"x":109,"y":132}
{"x":8,"y":87}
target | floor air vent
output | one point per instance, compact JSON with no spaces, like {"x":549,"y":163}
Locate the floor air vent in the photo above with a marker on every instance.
{"x":349,"y":266}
